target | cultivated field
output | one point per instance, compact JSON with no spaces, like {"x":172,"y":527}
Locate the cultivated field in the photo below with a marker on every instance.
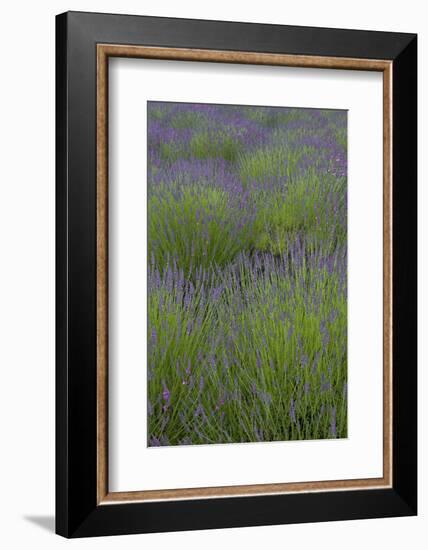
{"x":247,"y":275}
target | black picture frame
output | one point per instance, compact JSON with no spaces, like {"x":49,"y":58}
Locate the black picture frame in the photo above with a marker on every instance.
{"x":77,"y":511}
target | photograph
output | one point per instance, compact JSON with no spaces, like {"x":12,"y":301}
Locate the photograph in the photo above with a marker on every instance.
{"x":235,"y":272}
{"x":214,"y":249}
{"x":247,"y":273}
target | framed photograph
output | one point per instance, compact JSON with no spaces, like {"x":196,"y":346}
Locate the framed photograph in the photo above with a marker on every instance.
{"x":236,"y":274}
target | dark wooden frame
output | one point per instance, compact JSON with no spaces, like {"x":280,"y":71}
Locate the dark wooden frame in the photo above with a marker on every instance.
{"x":84,"y":507}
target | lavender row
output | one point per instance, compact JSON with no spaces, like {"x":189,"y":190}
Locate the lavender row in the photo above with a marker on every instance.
{"x":247,"y":224}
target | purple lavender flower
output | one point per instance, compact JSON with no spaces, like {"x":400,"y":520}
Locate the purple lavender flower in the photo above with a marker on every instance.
{"x":292,"y":411}
{"x":333,"y":432}
{"x":154,"y":337}
{"x":166,"y":394}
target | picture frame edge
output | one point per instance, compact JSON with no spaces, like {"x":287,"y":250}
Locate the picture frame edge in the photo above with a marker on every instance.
{"x":78,"y":512}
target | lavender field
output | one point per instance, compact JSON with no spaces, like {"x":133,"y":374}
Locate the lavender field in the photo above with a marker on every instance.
{"x":247,"y":274}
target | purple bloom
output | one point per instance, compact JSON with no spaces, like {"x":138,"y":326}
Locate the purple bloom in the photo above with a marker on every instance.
{"x":266,"y":398}
{"x":333,"y":422}
{"x":166,"y":394}
{"x":325,"y":384}
{"x":258,"y":434}
{"x":292,"y":411}
{"x":200,"y":411}
{"x":154,"y":337}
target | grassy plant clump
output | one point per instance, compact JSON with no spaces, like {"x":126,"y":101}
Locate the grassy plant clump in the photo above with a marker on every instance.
{"x":266,"y":164}
{"x":196,"y":226}
{"x":307,"y":207}
{"x":189,"y":119}
{"x":245,"y":344}
{"x":204,"y":145}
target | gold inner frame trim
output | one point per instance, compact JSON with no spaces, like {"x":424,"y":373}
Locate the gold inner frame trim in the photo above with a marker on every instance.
{"x":104,"y":51}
